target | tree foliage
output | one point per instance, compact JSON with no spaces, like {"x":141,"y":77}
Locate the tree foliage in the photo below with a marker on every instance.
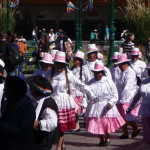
{"x":3,"y":16}
{"x":137,"y":15}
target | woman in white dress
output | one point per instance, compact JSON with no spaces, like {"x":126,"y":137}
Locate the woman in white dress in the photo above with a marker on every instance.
{"x":115,"y":71}
{"x":46,"y":66}
{"x":92,"y":59}
{"x":102,"y":115}
{"x":63,"y":81}
{"x":137,"y":65}
{"x":83,"y":74}
{"x":127,"y":88}
{"x":144,"y":112}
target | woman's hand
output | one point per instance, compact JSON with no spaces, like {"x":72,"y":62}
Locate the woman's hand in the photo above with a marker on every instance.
{"x":36,"y":123}
{"x":109,"y":106}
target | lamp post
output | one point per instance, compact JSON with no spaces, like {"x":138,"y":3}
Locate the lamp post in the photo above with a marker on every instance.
{"x":80,"y":24}
{"x":112,"y":34}
{"x":8,"y":16}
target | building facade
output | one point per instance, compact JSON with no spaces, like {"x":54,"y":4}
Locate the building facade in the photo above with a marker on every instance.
{"x":51,"y":14}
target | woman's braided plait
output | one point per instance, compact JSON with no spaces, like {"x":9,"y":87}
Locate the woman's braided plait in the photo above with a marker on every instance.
{"x":51,"y":78}
{"x":67,"y":80}
{"x":81,"y":68}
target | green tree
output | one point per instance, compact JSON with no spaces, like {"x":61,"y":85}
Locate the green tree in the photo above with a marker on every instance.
{"x":137,"y":15}
{"x":3,"y":16}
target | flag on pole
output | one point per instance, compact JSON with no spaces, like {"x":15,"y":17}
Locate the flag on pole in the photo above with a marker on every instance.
{"x":14,"y":3}
{"x":70,"y":7}
{"x":90,"y":4}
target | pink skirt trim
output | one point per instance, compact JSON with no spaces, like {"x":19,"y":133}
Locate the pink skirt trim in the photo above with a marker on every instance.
{"x":67,"y":119}
{"x":104,"y":125}
{"x":122,"y":110}
{"x":78,"y":101}
{"x":146,"y":129}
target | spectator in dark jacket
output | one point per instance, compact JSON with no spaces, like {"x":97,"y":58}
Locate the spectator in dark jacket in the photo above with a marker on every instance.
{"x":7,"y":49}
{"x":18,"y":117}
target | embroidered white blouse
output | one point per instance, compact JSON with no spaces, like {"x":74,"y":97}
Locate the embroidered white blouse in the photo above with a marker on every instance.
{"x":115,"y":73}
{"x":139,"y":67}
{"x":91,"y":65}
{"x":49,"y":116}
{"x":60,"y":89}
{"x":144,"y":92}
{"x":126,"y":86}
{"x":105,"y":92}
{"x":85,"y":78}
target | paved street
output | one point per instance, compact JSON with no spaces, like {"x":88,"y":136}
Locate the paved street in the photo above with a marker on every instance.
{"x":86,"y":141}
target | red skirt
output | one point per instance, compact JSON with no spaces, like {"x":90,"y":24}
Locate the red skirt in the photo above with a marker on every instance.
{"x":67,"y":119}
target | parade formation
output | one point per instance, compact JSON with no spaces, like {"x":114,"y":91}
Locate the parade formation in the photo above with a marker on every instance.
{"x":38,"y":109}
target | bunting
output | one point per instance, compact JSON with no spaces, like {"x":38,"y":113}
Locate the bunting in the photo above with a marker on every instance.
{"x":14,"y":3}
{"x":70,"y":7}
{"x":90,"y":4}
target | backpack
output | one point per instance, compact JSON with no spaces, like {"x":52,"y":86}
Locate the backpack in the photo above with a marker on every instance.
{"x":12,"y":58}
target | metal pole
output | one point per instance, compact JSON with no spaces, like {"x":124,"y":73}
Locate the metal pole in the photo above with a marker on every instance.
{"x":112,"y":34}
{"x":77,"y":47}
{"x":80,"y":24}
{"x":8,"y":16}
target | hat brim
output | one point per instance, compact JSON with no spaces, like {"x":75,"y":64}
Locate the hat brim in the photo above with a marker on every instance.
{"x":92,"y":52}
{"x":78,"y":57}
{"x":97,"y":70}
{"x":135,"y":54}
{"x":61,"y":62}
{"x":47,"y":62}
{"x":122,"y":62}
{"x":114,"y":58}
{"x":29,"y":81}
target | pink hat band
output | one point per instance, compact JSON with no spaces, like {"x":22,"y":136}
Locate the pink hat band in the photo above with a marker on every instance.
{"x":79,"y":56}
{"x":100,"y":57}
{"x":60,"y":58}
{"x":115,"y":57}
{"x":47,"y":58}
{"x":122,"y":59}
{"x":98,"y":67}
{"x":135,"y":53}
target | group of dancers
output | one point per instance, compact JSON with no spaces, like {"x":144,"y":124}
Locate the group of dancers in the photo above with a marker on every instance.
{"x":109,"y":98}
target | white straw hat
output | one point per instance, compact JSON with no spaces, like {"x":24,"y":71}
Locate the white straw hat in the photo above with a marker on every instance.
{"x":92,"y":48}
{"x":47,"y":58}
{"x":123,"y":58}
{"x":99,"y":66}
{"x":79,"y":54}
{"x":60,"y":57}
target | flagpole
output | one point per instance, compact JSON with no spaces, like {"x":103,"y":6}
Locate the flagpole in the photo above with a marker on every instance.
{"x":77,"y":46}
{"x":80,"y":24}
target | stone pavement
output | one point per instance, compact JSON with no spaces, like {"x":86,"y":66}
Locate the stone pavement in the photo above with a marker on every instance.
{"x":86,"y":141}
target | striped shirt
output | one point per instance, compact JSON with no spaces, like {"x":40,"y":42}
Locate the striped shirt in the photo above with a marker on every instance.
{"x":127,"y":48}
